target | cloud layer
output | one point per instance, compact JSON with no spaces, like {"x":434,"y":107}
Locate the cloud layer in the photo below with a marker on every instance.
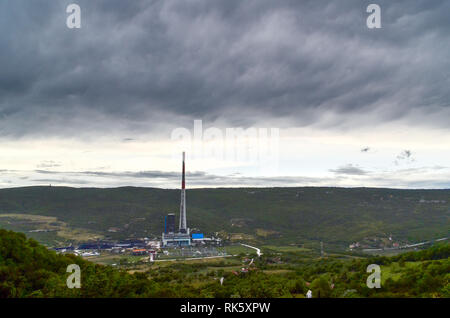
{"x":423,"y":177}
{"x":141,"y":66}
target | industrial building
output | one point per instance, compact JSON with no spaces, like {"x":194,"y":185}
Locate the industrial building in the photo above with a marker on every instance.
{"x":169,"y":223}
{"x":200,"y":239}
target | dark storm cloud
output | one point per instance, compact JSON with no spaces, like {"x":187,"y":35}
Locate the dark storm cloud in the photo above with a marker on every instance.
{"x":129,"y":174}
{"x":349,"y":170}
{"x":136,"y":66}
{"x":48,"y":164}
{"x":154,"y":178}
{"x":426,"y":177}
{"x":62,"y":181}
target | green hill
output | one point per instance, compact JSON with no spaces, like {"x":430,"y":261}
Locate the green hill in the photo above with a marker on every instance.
{"x":27,"y":269}
{"x":280,"y":215}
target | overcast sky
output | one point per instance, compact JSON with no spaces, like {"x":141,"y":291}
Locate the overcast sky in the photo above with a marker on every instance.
{"x":100,"y":105}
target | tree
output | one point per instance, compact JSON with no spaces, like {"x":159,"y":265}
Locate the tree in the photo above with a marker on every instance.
{"x":321,"y":288}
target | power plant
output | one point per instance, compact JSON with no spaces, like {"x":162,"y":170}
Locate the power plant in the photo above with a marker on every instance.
{"x":182,"y":237}
{"x":174,"y":242}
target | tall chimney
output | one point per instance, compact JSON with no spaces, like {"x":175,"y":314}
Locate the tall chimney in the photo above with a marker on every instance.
{"x":183,"y":225}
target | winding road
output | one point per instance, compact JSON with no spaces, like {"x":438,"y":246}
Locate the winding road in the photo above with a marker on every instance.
{"x":258,"y":251}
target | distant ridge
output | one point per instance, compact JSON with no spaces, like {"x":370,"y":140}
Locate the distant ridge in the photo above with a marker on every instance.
{"x":280,"y":215}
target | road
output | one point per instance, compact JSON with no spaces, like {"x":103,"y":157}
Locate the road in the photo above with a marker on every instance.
{"x":258,"y":251}
{"x":405,"y":246}
{"x":191,"y":258}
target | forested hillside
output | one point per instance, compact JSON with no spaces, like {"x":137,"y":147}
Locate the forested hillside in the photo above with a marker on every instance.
{"x":283,"y":215}
{"x":28,"y":269}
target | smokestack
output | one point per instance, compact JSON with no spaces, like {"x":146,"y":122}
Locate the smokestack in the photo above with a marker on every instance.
{"x":183,"y":225}
{"x":183,"y":186}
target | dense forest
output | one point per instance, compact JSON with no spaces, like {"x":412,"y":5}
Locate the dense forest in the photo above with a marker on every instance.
{"x":28,"y":269}
{"x":337,"y":216}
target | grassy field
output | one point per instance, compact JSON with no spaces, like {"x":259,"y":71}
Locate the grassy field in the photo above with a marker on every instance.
{"x":141,"y":263}
{"x":237,"y":249}
{"x":46,"y":229}
{"x":294,"y":249}
{"x":108,"y":258}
